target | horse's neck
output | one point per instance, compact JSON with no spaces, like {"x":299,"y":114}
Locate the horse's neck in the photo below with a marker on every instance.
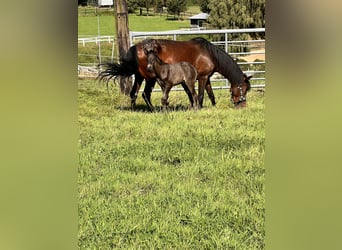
{"x":159,"y":61}
{"x":158,"y":66}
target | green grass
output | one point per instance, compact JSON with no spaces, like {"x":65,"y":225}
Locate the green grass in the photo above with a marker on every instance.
{"x":182,"y":179}
{"x":194,"y":9}
{"x":88,"y":25}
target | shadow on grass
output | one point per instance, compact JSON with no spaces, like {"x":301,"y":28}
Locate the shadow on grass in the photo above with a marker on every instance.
{"x":90,"y":92}
{"x":157,"y":109}
{"x":105,"y":97}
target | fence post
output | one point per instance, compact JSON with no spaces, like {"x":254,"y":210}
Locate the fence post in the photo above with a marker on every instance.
{"x":122,"y":33}
{"x":226,"y":41}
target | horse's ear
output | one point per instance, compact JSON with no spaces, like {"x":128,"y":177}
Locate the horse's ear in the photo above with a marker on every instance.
{"x":145,"y":49}
{"x":155,"y":45}
{"x":247,"y":77}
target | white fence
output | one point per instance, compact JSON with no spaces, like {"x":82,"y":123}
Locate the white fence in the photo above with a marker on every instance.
{"x":97,"y":39}
{"x":254,"y":57}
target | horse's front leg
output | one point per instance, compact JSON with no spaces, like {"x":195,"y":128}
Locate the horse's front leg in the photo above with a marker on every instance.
{"x":194,"y":95}
{"x":210,"y":92}
{"x":149,"y":85}
{"x":165,"y":97}
{"x":201,"y":85}
{"x":135,"y":90}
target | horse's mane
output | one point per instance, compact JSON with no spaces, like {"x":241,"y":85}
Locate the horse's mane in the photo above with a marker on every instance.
{"x":224,"y":63}
{"x":159,"y":61}
{"x":159,"y":43}
{"x":165,"y":41}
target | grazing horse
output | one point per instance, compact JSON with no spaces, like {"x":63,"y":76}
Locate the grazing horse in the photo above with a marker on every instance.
{"x":204,"y":56}
{"x":169,"y":75}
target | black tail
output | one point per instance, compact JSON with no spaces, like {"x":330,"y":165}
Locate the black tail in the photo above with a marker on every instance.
{"x":127,"y":67}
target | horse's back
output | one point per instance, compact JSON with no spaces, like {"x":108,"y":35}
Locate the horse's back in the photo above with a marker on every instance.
{"x":164,"y":72}
{"x":178,"y":51}
{"x":189,"y":70}
{"x":186,"y":51}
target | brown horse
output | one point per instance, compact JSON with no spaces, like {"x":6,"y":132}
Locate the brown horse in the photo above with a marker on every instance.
{"x":204,"y":56}
{"x":169,"y":75}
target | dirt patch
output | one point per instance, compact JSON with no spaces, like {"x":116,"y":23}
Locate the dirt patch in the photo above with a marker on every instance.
{"x":253,"y":57}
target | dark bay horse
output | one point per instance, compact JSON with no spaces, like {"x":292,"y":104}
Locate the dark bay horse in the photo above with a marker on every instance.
{"x":169,"y":75}
{"x":206,"y":58}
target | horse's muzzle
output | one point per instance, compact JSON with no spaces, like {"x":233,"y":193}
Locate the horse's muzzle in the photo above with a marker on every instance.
{"x":240,"y":104}
{"x":149,"y":68}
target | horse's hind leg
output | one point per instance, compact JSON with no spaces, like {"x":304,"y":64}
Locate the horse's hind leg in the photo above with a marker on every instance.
{"x":149,"y":85}
{"x":188,"y":92}
{"x":201,"y":85}
{"x":210,"y":92}
{"x":135,"y":90}
{"x":194,"y":95}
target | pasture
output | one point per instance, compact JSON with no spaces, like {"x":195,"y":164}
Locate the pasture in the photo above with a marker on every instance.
{"x":181,"y":179}
{"x":88,"y":24}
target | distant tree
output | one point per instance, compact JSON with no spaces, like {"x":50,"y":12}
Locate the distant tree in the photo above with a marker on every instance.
{"x":132,"y":5}
{"x":156,"y":5}
{"x":175,"y":7}
{"x":146,"y":4}
{"x":204,"y":5}
{"x":236,"y":13}
{"x":257,"y":9}
{"x":192,"y":2}
{"x":82,"y":2}
{"x":219,"y":14}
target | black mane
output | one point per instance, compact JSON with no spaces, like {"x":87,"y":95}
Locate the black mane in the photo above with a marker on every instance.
{"x":224,"y":63}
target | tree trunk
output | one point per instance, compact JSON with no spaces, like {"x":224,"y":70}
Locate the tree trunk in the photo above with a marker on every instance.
{"x":122,"y":35}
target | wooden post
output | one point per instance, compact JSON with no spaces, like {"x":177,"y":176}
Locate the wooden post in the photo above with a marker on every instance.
{"x":122,"y":35}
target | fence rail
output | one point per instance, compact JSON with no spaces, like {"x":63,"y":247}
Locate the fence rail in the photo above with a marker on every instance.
{"x":176,"y":33}
{"x":96,"y":39}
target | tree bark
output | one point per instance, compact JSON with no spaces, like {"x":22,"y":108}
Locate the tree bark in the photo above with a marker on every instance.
{"x":123,"y":40}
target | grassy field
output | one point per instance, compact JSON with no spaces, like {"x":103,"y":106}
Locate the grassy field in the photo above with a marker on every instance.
{"x":88,"y":24}
{"x":181,"y":179}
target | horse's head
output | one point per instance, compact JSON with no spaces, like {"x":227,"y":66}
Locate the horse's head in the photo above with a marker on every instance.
{"x":239,"y":92}
{"x":151,"y":59}
{"x":151,"y":45}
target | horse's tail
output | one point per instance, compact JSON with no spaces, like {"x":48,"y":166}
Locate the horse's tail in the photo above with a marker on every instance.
{"x":224,"y":63}
{"x":127,"y":67}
